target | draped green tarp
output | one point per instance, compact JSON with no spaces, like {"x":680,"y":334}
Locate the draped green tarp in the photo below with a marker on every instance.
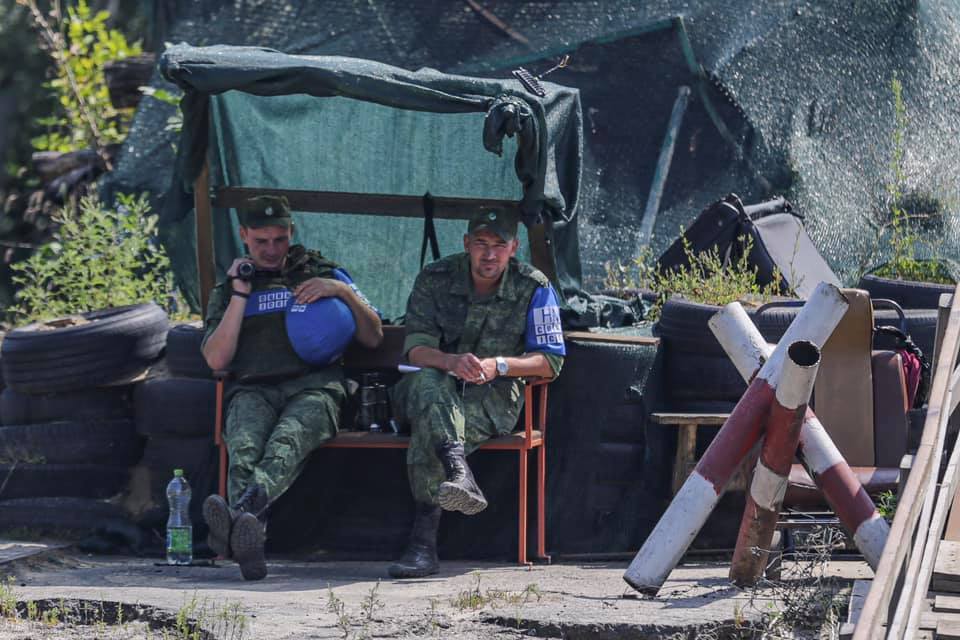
{"x":272,"y":120}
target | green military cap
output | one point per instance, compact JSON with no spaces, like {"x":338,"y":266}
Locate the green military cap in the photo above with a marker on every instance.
{"x":499,"y":221}
{"x":264,"y":211}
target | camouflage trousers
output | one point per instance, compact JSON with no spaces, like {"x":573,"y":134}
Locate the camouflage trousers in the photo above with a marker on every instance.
{"x":439,"y":410}
{"x":271,"y":429}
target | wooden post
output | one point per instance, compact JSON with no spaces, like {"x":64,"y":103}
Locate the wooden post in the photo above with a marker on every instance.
{"x":686,"y":454}
{"x":204,"y":223}
{"x":943,"y":314}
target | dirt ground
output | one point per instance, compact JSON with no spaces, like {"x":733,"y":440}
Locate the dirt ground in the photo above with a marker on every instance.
{"x":358,"y":600}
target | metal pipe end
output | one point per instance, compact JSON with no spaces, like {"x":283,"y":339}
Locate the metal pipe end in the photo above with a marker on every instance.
{"x":798,"y":375}
{"x":804,"y":353}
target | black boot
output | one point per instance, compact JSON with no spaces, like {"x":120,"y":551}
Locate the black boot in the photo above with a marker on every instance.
{"x":460,"y":492}
{"x":219,"y":518}
{"x":253,"y":500}
{"x":420,"y":557}
{"x":249,"y":533}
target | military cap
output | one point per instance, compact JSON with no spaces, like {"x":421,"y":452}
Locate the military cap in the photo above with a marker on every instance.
{"x":264,"y":211}
{"x":499,"y":221}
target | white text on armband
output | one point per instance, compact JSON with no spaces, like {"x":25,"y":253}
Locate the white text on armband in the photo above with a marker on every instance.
{"x":273,"y":300}
{"x":546,"y":325}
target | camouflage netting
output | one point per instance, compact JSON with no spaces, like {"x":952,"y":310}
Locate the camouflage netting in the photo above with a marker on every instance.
{"x":794,"y":98}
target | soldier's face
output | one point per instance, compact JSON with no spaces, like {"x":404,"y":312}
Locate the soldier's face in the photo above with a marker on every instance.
{"x":489,"y":254}
{"x":267,"y":246}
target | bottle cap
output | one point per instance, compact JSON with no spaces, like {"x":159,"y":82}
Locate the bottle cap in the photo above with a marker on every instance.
{"x":178,"y":473}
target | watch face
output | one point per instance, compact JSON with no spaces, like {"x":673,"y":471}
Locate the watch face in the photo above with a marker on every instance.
{"x":501,"y":366}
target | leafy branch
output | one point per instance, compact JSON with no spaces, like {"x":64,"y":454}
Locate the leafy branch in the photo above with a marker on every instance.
{"x":81,"y":45}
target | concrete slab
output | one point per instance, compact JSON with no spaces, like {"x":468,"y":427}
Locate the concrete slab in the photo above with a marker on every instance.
{"x":463,"y":601}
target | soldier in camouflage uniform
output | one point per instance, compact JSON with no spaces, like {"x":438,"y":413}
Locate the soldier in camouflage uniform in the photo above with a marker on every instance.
{"x":488,"y":320}
{"x":282,"y":404}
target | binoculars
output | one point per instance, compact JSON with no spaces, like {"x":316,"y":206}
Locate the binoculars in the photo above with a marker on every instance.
{"x":373,"y":414}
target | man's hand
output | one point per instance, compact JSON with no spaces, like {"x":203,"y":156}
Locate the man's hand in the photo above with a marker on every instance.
{"x":316,"y":288}
{"x":469,"y":367}
{"x":238,"y":285}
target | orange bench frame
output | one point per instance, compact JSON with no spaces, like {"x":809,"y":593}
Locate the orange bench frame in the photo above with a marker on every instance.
{"x":533,"y":436}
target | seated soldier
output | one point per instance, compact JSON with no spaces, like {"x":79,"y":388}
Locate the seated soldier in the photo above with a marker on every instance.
{"x":489,"y":320}
{"x":288,"y":386}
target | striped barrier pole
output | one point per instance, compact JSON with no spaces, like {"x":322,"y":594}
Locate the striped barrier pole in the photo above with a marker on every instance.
{"x":691,"y":506}
{"x":817,"y":452}
{"x":770,"y":477}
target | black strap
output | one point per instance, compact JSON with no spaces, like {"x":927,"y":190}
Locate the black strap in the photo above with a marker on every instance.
{"x":429,"y":230}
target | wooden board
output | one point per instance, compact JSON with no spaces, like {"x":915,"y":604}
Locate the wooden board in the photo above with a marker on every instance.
{"x":588,"y":336}
{"x":953,"y":522}
{"x":857,"y":597}
{"x":948,"y":629}
{"x":701,"y":419}
{"x":946,"y":604}
{"x":891,"y":571}
{"x":11,"y":551}
{"x":946,"y":571}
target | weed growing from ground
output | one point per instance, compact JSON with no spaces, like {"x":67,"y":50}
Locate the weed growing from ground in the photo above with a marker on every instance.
{"x":363,"y":621}
{"x":887,"y":505}
{"x":709,"y":278}
{"x":476,"y":598}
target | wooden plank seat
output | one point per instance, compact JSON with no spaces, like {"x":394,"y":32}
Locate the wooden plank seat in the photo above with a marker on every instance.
{"x":531,"y":434}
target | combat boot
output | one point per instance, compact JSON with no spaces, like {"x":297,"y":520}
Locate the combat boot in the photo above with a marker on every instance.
{"x":419,"y":559}
{"x":460,"y":492}
{"x":219,"y":518}
{"x":249,"y":533}
{"x":253,"y":500}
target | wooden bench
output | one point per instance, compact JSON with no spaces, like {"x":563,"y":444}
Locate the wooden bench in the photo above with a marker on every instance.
{"x":532,"y":434}
{"x":687,"y":425}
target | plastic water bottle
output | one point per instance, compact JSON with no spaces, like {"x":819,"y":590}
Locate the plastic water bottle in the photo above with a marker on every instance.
{"x":179,"y":528}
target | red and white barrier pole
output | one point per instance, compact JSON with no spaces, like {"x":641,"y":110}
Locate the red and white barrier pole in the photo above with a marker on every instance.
{"x":817,"y":452}
{"x":772,"y":472}
{"x":682,"y":520}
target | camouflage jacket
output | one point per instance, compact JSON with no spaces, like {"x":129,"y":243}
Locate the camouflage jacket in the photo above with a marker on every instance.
{"x":443,"y":313}
{"x":263,"y":349}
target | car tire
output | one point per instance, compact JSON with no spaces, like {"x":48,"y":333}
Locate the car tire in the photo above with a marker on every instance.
{"x":184,"y":358}
{"x":39,"y":480}
{"x":100,"y":348}
{"x":909,"y":294}
{"x":184,"y":407}
{"x":113,"y":442}
{"x":89,"y":404}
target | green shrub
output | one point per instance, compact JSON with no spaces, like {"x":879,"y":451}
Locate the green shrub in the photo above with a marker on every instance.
{"x":906,"y":211}
{"x":707,"y":280}
{"x":98,"y":258}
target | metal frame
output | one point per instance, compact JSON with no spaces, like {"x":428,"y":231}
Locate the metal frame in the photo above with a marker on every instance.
{"x":533,"y":436}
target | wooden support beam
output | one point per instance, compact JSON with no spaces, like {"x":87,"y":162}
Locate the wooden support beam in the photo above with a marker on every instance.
{"x":375,"y":204}
{"x":588,"y":336}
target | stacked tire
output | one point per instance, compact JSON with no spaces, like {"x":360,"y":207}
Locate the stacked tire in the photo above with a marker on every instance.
{"x":175,"y":414}
{"x":68,"y":440}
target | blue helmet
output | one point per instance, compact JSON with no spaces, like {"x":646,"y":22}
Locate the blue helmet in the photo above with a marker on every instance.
{"x":320,"y":331}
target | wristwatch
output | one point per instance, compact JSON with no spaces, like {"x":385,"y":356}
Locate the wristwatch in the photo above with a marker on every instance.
{"x":502,"y":367}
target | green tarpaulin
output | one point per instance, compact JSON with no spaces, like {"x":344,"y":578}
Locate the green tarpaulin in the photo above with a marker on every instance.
{"x":267,"y":119}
